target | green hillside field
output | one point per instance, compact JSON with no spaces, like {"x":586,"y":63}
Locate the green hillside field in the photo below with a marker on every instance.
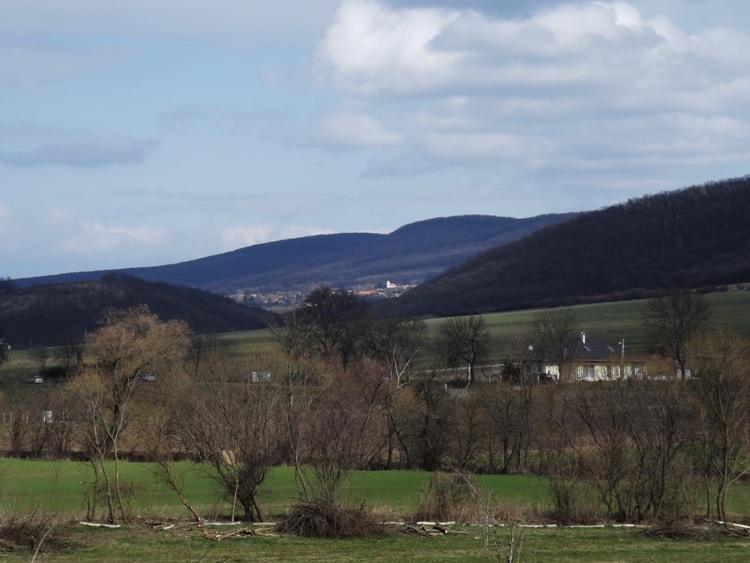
{"x":611,"y":321}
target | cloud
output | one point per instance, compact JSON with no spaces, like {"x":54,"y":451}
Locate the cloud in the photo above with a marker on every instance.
{"x":4,"y":212}
{"x":370,"y":48}
{"x":94,"y":151}
{"x":568,"y":82}
{"x":349,"y":129}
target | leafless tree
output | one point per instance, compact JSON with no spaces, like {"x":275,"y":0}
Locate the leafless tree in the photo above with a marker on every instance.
{"x":469,"y":429}
{"x":396,"y":343}
{"x":337,"y":321}
{"x":40,"y":354}
{"x":661,"y":425}
{"x":556,"y":337}
{"x":465,"y":339}
{"x":70,"y":353}
{"x":672,"y":320}
{"x":609,"y":461}
{"x":342,"y":430}
{"x":236,"y":427}
{"x":721,"y":361}
{"x":129,"y":345}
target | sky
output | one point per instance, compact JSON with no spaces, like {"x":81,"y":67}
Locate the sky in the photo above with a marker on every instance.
{"x":149,"y":132}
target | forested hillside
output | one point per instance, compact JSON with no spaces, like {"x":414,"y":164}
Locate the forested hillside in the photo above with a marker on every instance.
{"x":51,"y":314}
{"x":410,"y":254}
{"x":694,"y":237}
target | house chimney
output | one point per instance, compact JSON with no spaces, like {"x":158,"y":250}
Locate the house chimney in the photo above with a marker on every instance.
{"x":583,"y":338}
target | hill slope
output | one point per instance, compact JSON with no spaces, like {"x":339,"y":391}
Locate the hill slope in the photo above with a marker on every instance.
{"x":693,"y":237}
{"x":50,"y":314}
{"x":410,"y":254}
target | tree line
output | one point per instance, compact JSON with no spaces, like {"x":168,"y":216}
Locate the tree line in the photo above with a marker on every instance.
{"x":341,"y":390}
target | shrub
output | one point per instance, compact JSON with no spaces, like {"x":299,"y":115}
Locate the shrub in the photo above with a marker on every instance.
{"x":322,"y":518}
{"x":450,"y":497}
{"x":33,"y":532}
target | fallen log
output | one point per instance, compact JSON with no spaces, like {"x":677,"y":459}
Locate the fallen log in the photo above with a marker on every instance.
{"x":98,"y":525}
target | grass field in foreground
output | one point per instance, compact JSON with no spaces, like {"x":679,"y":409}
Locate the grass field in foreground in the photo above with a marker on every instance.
{"x":60,"y":486}
{"x":134,"y":543}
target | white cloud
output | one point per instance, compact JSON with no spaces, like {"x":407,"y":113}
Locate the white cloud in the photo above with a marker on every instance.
{"x":4,"y":212}
{"x":370,"y":48}
{"x":573,"y":81}
{"x":349,"y":129}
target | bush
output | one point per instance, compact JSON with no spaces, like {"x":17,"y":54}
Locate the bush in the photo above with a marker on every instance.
{"x":33,"y":532}
{"x":324,"y":519}
{"x":450,"y":497}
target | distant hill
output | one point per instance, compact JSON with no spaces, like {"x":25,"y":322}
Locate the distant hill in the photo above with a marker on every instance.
{"x":694,"y":237}
{"x":51,"y":314}
{"x":410,"y":254}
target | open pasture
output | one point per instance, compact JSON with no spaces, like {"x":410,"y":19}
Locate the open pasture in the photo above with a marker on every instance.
{"x":610,"y":321}
{"x":563,"y":545}
{"x":59,"y":487}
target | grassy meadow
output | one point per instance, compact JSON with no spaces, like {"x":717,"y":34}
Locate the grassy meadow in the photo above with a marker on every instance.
{"x":611,"y":321}
{"x":561,"y":545}
{"x":58,"y":487}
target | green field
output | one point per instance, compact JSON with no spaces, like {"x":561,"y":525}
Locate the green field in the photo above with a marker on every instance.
{"x":58,"y":487}
{"x":609,"y":321}
{"x":563,"y":545}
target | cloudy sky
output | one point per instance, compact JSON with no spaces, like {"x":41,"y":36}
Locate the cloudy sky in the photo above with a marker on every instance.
{"x":146,"y":132}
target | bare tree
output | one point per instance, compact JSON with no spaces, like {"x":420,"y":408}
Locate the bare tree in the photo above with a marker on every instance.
{"x":342,"y":429}
{"x":505,"y":406}
{"x":609,"y":461}
{"x":721,"y":361}
{"x":338,"y":321}
{"x":4,"y":350}
{"x":396,"y":343}
{"x":128,"y":346}
{"x":236,"y":428}
{"x":672,"y":320}
{"x":556,"y":338}
{"x":661,"y":425}
{"x":468,"y":430}
{"x":70,"y":353}
{"x":466,"y":339}
{"x":40,"y":354}
{"x":434,"y":419}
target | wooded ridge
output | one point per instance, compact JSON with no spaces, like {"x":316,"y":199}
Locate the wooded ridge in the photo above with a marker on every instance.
{"x":53,"y":314}
{"x":692,"y":238}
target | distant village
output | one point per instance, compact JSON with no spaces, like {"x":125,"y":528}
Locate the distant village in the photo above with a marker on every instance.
{"x":283,"y":300}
